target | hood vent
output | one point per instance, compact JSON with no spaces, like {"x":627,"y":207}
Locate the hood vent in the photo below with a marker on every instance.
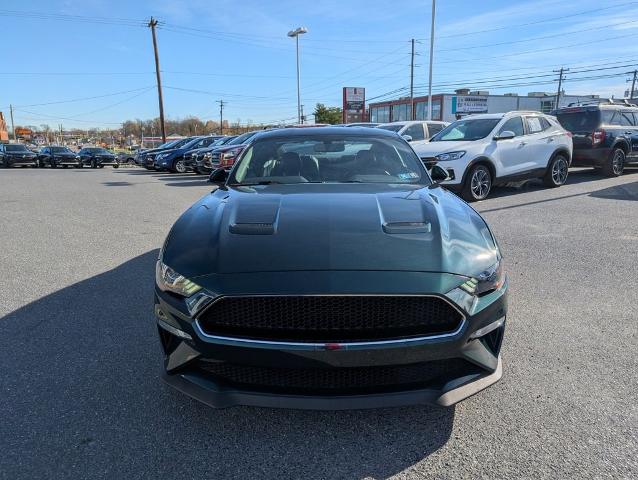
{"x":407,"y":227}
{"x":252,"y":228}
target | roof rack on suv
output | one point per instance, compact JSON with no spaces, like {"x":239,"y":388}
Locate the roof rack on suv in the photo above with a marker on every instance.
{"x":609,"y":101}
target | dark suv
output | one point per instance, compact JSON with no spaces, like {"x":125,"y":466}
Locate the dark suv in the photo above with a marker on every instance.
{"x":605,"y":135}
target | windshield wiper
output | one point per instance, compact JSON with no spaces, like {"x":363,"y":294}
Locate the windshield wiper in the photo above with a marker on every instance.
{"x":263,"y":182}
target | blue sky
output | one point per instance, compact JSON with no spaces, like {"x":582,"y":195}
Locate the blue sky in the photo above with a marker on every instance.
{"x":238,"y":51}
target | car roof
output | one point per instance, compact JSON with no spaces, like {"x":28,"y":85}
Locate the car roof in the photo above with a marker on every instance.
{"x":324,"y":131}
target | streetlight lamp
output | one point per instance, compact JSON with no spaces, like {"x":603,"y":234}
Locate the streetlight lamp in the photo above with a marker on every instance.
{"x":431,"y":54}
{"x":295,"y":33}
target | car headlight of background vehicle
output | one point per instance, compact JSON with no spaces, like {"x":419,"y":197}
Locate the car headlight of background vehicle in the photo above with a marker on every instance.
{"x":487,"y":281}
{"x":169,"y":280}
{"x":161,"y":155}
{"x":443,"y":157}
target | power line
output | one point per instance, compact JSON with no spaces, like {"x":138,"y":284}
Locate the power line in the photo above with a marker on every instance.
{"x":129,"y":22}
{"x":537,"y":22}
{"x":82,"y":99}
{"x":544,"y":37}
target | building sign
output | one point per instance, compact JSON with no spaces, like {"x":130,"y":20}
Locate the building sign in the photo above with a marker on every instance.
{"x":354,"y":104}
{"x":469,"y":104}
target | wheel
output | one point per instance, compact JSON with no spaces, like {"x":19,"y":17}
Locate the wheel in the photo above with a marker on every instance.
{"x":478,"y":184}
{"x":93,"y":164}
{"x":615,"y":163}
{"x":100,"y":166}
{"x":557,"y":171}
{"x":64,"y":166}
{"x":53,"y":164}
{"x":180,"y":167}
{"x":116,"y":166}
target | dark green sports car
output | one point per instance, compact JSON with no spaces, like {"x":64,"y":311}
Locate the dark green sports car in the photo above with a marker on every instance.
{"x":329,"y":271}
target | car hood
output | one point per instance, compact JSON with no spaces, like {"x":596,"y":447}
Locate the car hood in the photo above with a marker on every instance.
{"x":430,"y":149}
{"x":329,"y":227}
{"x":20,"y":154}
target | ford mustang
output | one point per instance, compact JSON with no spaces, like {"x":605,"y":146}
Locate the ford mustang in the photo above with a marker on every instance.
{"x":329,"y":270}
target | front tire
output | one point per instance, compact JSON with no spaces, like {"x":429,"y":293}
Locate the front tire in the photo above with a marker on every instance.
{"x":557,"y":171}
{"x":93,"y":164}
{"x":478,"y":184}
{"x":180,"y":167}
{"x":615,"y":164}
{"x":116,"y":166}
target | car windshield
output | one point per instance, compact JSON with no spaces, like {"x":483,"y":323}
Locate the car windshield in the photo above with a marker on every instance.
{"x":16,"y":148}
{"x":60,"y":150}
{"x":392,"y":127}
{"x":329,"y":159}
{"x":225,"y":140}
{"x":168,"y":144}
{"x":469,"y":129}
{"x":581,"y":121}
{"x":181,"y":143}
{"x":99,"y":150}
{"x":192,"y":143}
{"x":241,"y":139}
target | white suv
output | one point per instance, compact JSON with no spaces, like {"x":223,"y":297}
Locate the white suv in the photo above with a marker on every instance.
{"x":415,"y":130}
{"x":483,"y":150}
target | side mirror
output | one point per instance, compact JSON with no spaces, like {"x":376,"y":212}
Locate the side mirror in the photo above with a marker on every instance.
{"x":438,"y":174}
{"x":506,"y":135}
{"x":407,"y":138}
{"x":218,"y":176}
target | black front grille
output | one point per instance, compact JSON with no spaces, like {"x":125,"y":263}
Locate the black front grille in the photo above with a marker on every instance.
{"x":329,"y":318}
{"x":432,"y":374}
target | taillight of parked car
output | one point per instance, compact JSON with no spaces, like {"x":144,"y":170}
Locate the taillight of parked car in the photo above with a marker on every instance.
{"x":227,"y":159}
{"x":598,"y":137}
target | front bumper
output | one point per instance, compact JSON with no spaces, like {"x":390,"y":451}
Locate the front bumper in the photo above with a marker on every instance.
{"x":11,"y":161}
{"x":215,"y":395}
{"x":189,"y":352}
{"x":67,"y":161}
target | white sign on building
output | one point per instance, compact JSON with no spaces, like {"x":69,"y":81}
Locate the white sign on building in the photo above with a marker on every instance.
{"x":469,"y":104}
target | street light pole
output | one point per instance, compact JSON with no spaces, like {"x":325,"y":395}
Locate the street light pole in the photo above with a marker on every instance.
{"x":295,"y":33}
{"x":431,"y":52}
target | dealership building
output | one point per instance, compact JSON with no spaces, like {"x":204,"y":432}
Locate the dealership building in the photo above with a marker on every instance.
{"x":451,"y":106}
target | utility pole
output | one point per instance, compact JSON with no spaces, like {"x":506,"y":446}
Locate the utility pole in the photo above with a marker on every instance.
{"x":412,"y":83}
{"x":13,"y":127}
{"x":631,"y":92}
{"x":431,"y":53}
{"x":221,"y":116}
{"x":560,"y":83}
{"x":152,"y":24}
{"x":303,"y":118}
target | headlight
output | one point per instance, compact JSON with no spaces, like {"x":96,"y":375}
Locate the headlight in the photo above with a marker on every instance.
{"x":169,"y":280}
{"x":487,"y":281}
{"x":161,"y":155}
{"x":443,"y":157}
{"x":207,"y":156}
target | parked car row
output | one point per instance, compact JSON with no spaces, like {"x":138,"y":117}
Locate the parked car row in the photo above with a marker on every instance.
{"x":197,"y":154}
{"x":56,"y":156}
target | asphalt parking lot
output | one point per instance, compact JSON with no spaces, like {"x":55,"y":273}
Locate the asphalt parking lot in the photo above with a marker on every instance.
{"x":80,"y":391}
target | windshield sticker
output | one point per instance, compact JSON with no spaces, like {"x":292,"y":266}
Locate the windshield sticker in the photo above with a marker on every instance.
{"x":408,"y":175}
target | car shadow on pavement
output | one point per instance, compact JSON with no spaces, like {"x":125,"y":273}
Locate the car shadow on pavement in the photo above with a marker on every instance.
{"x":627,"y":191}
{"x":82,"y":398}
